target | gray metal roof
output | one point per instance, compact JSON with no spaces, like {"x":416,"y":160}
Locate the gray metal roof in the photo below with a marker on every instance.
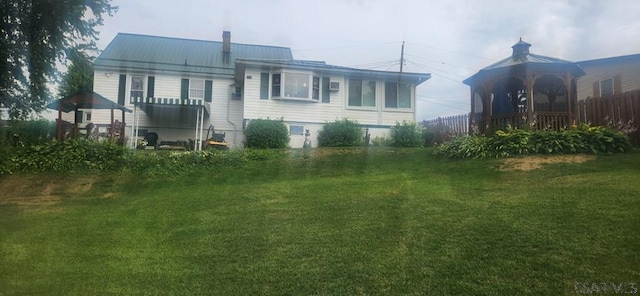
{"x":521,"y":56}
{"x":416,"y":78}
{"x":132,"y":51}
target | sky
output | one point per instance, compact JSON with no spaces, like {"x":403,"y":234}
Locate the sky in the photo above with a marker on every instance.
{"x":451,"y":39}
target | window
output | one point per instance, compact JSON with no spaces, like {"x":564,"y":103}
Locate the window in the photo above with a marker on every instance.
{"x":397,"y":95}
{"x":296,"y":130}
{"x":88,"y":116}
{"x":315,"y":95}
{"x":362,"y":93}
{"x":275,"y":85}
{"x":196,"y":89}
{"x":264,"y":86}
{"x":606,"y":87}
{"x":137,"y":86}
{"x":326,"y":94}
{"x":296,"y":85}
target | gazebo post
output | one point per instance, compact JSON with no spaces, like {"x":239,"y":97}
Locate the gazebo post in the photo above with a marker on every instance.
{"x":569,"y":96}
{"x":473,"y":110}
{"x":487,"y":109}
{"x":111,"y":131}
{"x":75,"y":123}
{"x":529,"y":86}
{"x":59,"y":127}
{"x":123,"y":127}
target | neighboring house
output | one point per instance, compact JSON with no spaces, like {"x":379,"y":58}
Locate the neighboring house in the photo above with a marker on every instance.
{"x":179,"y":87}
{"x":609,"y":75}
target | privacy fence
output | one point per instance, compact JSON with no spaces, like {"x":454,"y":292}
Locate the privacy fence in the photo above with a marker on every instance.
{"x":444,"y":128}
{"x":621,"y":111}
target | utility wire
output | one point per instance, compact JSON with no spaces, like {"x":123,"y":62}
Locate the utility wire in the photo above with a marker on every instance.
{"x":350,"y":46}
{"x":450,"y":51}
{"x":438,"y":62}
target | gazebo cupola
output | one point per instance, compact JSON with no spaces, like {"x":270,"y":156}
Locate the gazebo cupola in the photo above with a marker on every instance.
{"x":524,"y":89}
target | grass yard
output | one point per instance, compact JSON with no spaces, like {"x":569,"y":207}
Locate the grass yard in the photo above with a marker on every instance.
{"x":330,"y":222}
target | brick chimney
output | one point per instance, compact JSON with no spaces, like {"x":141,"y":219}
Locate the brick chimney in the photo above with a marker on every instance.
{"x":226,"y":41}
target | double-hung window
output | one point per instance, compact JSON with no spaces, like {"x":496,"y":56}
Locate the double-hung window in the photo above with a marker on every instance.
{"x":397,"y":95}
{"x":196,"y":89}
{"x":606,"y":87}
{"x":362,"y":93}
{"x":137,"y":86}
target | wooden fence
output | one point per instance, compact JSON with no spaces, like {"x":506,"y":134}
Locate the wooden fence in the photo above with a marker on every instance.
{"x":621,"y":111}
{"x":444,"y":128}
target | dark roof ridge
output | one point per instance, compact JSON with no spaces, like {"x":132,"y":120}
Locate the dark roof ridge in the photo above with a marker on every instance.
{"x":198,"y":40}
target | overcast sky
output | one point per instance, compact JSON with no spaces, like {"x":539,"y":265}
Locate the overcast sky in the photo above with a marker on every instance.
{"x":450,"y":39}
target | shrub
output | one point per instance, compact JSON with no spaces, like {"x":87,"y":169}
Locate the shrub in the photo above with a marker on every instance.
{"x":429,"y":138}
{"x":381,"y":142}
{"x":70,"y":156}
{"x":26,"y":133}
{"x":340,"y":133}
{"x":266,"y":133}
{"x":172,"y":163}
{"x":465,"y":147}
{"x":512,"y":142}
{"x":407,"y":134}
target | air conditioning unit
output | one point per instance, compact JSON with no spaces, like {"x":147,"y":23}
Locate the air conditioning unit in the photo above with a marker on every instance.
{"x":334,"y":85}
{"x":237,"y":93}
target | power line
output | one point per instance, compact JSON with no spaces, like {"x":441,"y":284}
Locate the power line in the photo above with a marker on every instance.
{"x":445,"y":105}
{"x":343,"y":47}
{"x":451,"y":51}
{"x":444,"y":100}
{"x":439,"y":75}
{"x":439,"y":62}
{"x":432,"y":68}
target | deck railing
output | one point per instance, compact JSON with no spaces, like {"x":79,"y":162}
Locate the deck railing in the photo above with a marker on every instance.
{"x":540,"y":121}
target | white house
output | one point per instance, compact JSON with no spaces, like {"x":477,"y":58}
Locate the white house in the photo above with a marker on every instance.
{"x":179,"y":87}
{"x":608,"y":76}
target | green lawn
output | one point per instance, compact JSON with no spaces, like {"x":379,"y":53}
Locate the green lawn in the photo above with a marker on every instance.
{"x":336,"y":222}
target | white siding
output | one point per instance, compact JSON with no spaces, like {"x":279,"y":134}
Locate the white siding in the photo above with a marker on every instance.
{"x":171,"y":123}
{"x":629,"y":71}
{"x":317,"y":112}
{"x":290,"y":110}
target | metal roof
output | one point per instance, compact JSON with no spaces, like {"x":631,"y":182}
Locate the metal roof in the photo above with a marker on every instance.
{"x":611,"y":59}
{"x":85,"y":100}
{"x":133,"y":51}
{"x":416,"y":78}
{"x":522,"y":56}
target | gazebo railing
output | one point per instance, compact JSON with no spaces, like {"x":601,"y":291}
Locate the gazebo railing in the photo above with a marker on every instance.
{"x":540,"y":121}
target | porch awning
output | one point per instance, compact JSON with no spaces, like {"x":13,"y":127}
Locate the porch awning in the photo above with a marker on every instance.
{"x":151,"y":101}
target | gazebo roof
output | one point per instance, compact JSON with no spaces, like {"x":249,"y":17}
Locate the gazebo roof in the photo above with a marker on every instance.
{"x":522,"y":56}
{"x":85,"y":100}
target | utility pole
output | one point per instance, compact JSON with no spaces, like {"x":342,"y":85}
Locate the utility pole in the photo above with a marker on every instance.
{"x":401,"y":57}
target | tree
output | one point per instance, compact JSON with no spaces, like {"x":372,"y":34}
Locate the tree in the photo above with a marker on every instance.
{"x":79,"y":76}
{"x":34,"y":36}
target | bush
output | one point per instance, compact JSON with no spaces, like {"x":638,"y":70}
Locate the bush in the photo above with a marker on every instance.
{"x":69,"y":156}
{"x":465,"y":147}
{"x":26,"y":133}
{"x":429,"y":138}
{"x":266,"y":133}
{"x":512,"y":142}
{"x":407,"y":134}
{"x":381,"y":142}
{"x":340,"y":133}
{"x":172,"y":163}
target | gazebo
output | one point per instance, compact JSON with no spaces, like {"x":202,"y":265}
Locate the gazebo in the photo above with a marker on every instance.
{"x":88,"y":100}
{"x":524,"y":89}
